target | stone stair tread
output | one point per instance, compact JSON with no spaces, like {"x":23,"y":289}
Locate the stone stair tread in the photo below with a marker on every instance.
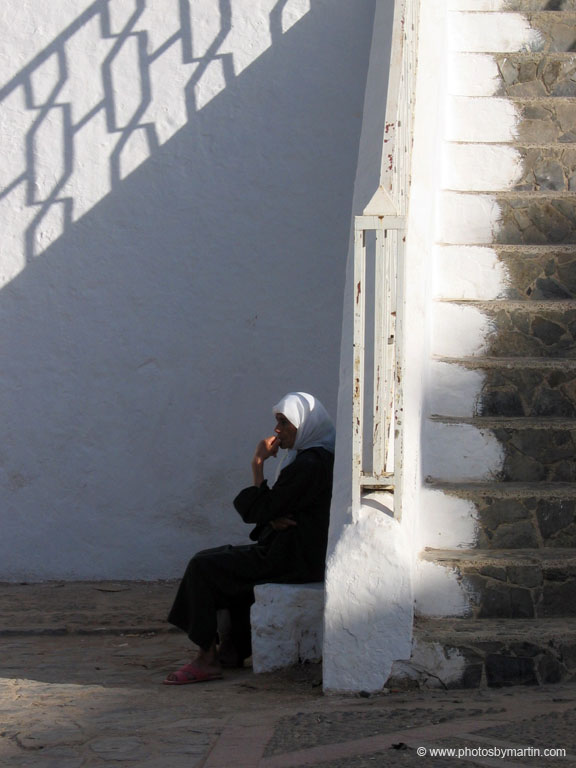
{"x":554,"y":145}
{"x":542,"y":305}
{"x":517,"y":246}
{"x":527,"y":100}
{"x":525,"y":6}
{"x":486,"y":630}
{"x":514,"y":194}
{"x":509,"y":362}
{"x":550,"y":558}
{"x":512,"y":6}
{"x":523,"y":55}
{"x":552,"y":13}
{"x":526,"y":55}
{"x":511,"y":422}
{"x":496,"y":651}
{"x":523,"y":302}
{"x":543,"y":167}
{"x":476,"y":31}
{"x":508,"y":490}
{"x":535,"y":249}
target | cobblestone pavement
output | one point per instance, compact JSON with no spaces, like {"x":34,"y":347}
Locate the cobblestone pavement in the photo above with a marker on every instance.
{"x":80,"y":686}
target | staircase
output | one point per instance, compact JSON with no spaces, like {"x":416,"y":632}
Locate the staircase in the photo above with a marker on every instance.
{"x":496,"y":601}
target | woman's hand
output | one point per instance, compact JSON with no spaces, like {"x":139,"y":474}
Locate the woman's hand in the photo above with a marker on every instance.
{"x":282,"y":523}
{"x":265,"y":448}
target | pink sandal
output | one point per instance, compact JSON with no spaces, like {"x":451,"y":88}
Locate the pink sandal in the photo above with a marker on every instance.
{"x":191,"y":673}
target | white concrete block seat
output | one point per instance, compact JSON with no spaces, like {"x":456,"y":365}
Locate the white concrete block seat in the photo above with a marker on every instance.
{"x":287,"y":625}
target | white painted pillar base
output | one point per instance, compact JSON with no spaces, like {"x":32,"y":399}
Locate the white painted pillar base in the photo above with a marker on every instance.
{"x":368,"y":618}
{"x":286,"y":625}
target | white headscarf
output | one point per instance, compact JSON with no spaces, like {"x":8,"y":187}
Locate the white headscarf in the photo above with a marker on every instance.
{"x":314,"y":425}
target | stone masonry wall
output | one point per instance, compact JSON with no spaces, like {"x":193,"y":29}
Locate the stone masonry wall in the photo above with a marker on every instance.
{"x":503,"y":403}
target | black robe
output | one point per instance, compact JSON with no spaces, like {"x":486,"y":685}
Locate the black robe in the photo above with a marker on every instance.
{"x":225,"y":577}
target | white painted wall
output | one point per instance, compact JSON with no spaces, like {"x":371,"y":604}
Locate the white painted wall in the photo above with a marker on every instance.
{"x":177,"y":181}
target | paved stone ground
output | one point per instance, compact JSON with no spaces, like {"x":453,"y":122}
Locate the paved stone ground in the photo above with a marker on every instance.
{"x":80,"y":686}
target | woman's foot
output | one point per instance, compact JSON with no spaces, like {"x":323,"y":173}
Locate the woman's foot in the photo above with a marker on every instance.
{"x":201,"y":669}
{"x":193,"y":673}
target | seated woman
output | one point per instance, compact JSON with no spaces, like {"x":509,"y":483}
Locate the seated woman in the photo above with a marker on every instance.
{"x":291,"y":533}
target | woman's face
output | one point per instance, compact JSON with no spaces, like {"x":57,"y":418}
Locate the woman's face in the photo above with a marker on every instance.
{"x":285,"y":431}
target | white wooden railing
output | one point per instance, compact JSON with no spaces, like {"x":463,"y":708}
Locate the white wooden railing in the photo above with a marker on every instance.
{"x":379,"y":240}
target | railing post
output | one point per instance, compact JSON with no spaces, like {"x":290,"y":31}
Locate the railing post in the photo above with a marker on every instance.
{"x":398,"y":384}
{"x":385,"y":215}
{"x":380,"y":411}
{"x":359,"y":342}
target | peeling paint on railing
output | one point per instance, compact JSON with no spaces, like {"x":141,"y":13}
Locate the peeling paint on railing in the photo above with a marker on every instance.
{"x":376,"y":465}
